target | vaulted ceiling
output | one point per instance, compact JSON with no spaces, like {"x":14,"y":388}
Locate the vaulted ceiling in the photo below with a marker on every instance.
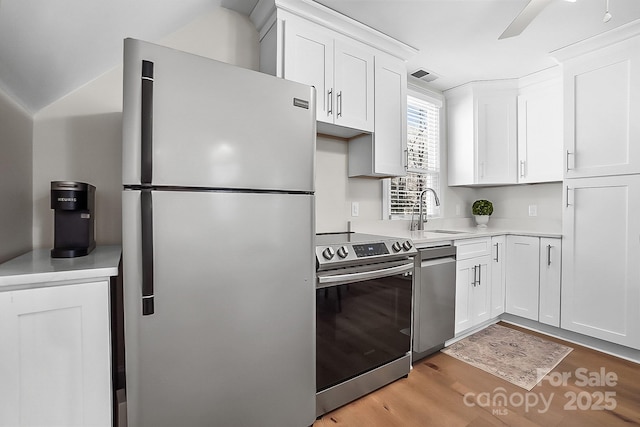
{"x":50,"y":47}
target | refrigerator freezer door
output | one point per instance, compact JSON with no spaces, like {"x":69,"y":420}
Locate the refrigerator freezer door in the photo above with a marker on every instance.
{"x":231,"y":341}
{"x":214,"y":125}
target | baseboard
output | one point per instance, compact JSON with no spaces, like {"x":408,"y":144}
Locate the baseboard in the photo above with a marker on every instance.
{"x":606,"y":347}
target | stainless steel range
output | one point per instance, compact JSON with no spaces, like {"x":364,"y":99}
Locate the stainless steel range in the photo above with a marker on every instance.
{"x":363,"y":315}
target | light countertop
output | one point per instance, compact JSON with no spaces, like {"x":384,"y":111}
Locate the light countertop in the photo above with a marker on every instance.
{"x":37,"y":267}
{"x":441,"y":231}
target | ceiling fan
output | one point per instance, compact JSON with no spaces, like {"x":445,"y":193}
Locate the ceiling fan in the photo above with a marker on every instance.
{"x":530,"y":11}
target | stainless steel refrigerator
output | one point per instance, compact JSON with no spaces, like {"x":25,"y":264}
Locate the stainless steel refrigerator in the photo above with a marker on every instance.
{"x":218,"y":251}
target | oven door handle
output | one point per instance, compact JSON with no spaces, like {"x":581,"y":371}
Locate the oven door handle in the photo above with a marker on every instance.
{"x":339,"y":279}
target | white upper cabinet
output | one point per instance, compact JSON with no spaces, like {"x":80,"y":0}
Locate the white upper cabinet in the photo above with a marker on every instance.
{"x":506,"y":131}
{"x":306,"y":42}
{"x":341,"y":72}
{"x":353,"y":77}
{"x":602,"y":102}
{"x":482,"y":125}
{"x":540,"y":127}
{"x":309,"y":60}
{"x":382,"y":154}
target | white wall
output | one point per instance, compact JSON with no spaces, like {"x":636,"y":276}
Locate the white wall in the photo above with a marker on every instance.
{"x":78,"y":137}
{"x":512,"y":203}
{"x":16,"y":127}
{"x":335,"y":192}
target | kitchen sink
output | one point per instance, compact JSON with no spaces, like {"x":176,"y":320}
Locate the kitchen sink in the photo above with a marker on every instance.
{"x":445,"y":231}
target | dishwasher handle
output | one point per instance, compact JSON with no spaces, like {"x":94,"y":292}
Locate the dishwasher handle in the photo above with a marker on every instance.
{"x":339,"y":279}
{"x":437,"y":261}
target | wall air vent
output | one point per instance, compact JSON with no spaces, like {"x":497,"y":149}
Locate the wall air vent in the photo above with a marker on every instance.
{"x":424,"y":75}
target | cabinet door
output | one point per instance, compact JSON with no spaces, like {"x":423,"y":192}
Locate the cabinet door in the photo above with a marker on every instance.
{"x":523,"y":276}
{"x":600,"y":253}
{"x":473,"y":292}
{"x":465,"y":280}
{"x":460,"y":140}
{"x":482,"y":290}
{"x":496,"y":143}
{"x":498,"y":275}
{"x":390,"y":134}
{"x":550,"y":275}
{"x":540,"y":133}
{"x":308,"y":59}
{"x":55,"y":360}
{"x":353,"y":74}
{"x":602,"y":106}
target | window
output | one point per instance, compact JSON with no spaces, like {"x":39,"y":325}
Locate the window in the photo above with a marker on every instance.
{"x":423,"y":168}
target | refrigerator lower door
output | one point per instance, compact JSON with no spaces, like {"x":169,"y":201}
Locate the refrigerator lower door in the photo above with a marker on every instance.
{"x":231,"y":340}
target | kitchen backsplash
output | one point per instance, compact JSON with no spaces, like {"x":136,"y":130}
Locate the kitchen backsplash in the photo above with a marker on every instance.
{"x":335,"y":194}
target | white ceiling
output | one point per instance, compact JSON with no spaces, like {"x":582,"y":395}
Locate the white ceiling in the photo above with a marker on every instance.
{"x":50,"y":47}
{"x":458,"y":39}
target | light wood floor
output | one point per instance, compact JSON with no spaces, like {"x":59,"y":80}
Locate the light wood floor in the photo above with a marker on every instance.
{"x":434,"y":395}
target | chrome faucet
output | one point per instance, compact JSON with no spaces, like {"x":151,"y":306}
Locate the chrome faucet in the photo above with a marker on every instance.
{"x":420,"y":223}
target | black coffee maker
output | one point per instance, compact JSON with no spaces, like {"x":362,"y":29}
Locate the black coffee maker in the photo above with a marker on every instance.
{"x":74,"y":210}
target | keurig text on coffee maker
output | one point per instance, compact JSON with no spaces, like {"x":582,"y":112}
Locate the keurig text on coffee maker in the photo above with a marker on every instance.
{"x":74,"y":218}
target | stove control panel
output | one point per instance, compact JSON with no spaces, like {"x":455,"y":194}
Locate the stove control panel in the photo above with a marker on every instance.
{"x":345,"y":254}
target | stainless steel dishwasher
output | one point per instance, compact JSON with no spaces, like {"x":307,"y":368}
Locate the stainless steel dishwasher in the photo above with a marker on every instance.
{"x":434,"y":299}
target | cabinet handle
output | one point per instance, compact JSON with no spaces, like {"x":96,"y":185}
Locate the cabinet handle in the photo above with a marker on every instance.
{"x":497,"y":253}
{"x":522,"y":168}
{"x":549,"y":254}
{"x":330,"y":102}
{"x":340,"y":104}
{"x":567,"y":159}
{"x":567,"y":197}
{"x":473,"y":282}
{"x":479,"y":274}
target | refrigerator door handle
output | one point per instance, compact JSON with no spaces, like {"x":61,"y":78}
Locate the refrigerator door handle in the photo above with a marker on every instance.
{"x":146,"y":123}
{"x":147,"y":252}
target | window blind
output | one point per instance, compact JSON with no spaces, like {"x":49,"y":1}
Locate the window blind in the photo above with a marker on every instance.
{"x":423,"y":160}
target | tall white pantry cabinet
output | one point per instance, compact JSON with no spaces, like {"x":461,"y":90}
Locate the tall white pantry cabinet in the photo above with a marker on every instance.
{"x":55,"y":323}
{"x":601,"y":214}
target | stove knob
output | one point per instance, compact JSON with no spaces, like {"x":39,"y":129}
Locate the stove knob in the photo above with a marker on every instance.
{"x":328,"y":253}
{"x":396,"y":247}
{"x":407,"y":245}
{"x":343,"y":252}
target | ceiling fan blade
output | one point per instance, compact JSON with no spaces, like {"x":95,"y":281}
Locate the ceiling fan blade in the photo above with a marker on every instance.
{"x":530,"y":11}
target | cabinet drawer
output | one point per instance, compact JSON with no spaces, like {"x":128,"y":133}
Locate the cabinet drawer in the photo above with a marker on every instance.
{"x":469,"y":248}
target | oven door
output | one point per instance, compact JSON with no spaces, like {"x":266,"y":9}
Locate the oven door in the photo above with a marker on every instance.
{"x":363,"y":317}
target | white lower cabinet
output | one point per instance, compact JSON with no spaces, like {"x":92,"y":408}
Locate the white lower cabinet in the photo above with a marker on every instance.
{"x":550,"y":281}
{"x":601,"y":257}
{"x":55,"y":360}
{"x":523,"y":276}
{"x":498,"y":275}
{"x":473,"y":285}
{"x":533,"y":278}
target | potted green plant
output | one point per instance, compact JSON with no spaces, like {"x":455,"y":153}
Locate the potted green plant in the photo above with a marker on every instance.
{"x":481,"y":210}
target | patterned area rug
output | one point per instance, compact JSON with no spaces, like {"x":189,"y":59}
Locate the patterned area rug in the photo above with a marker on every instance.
{"x":520,"y":358}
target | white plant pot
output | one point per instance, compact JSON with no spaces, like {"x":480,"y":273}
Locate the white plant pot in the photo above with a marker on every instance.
{"x":482,"y":220}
